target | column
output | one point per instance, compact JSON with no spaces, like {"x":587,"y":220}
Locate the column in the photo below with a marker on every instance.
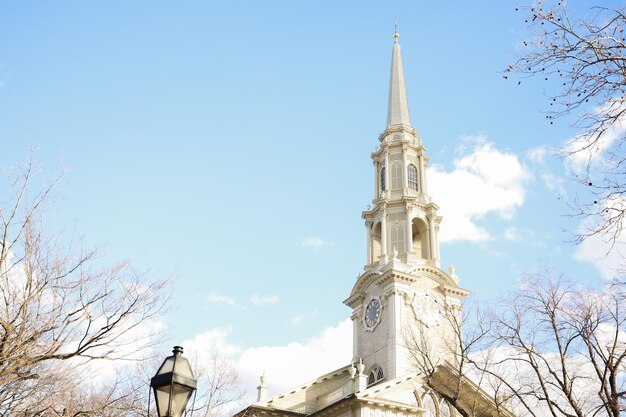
{"x":391,"y":338}
{"x":405,"y":177}
{"x":431,"y":235}
{"x":395,"y":340}
{"x":435,"y":241}
{"x":383,"y":234}
{"x":422,"y":174}
{"x":387,"y":174}
{"x":370,"y":255}
{"x":409,"y":231}
{"x":355,"y":337}
{"x":376,"y":187}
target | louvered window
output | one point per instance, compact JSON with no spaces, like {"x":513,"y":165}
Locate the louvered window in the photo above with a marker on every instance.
{"x":397,"y":237}
{"x":396,"y":176}
{"x":412,"y":177}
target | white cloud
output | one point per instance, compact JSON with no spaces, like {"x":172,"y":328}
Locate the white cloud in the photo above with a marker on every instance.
{"x":606,"y":249}
{"x":314,"y":242}
{"x":484,"y":181}
{"x":598,"y":251}
{"x":285,"y":366}
{"x":214,"y":340}
{"x":221,"y":299}
{"x":511,"y":233}
{"x":261,"y":300}
{"x":297,"y":320}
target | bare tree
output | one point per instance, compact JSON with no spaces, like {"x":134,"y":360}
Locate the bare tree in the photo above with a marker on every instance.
{"x":558,"y":349}
{"x":59,"y":308}
{"x":446,"y":358}
{"x":552,"y":348}
{"x":585,"y":57}
{"x":219,"y":386}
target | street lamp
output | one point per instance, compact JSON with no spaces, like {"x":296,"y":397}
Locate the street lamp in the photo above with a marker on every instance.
{"x":173,"y":385}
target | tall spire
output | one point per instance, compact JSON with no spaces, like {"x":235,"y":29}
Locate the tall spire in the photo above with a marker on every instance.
{"x":398,"y":110}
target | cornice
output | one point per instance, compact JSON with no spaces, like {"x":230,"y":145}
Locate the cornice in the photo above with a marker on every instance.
{"x":396,"y":276}
{"x":257,"y":409}
{"x":355,"y":299}
{"x":371,"y":277}
{"x":391,"y":405}
{"x":454,"y":291}
{"x":406,"y":201}
{"x":332,"y":408}
{"x":399,"y":129}
{"x":368,"y":398}
{"x":441,"y":277}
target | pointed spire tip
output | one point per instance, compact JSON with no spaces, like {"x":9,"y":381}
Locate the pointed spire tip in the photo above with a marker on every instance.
{"x":398,"y":107}
{"x":395,"y":31}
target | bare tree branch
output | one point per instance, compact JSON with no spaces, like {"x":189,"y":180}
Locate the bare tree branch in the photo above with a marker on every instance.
{"x":59,"y":310}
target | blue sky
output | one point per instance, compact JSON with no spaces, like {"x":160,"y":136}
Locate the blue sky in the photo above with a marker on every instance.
{"x":228,"y":144}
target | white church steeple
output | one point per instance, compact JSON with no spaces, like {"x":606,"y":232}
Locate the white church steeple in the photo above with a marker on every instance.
{"x":403,"y":304}
{"x":402,"y":289}
{"x":402,"y":222}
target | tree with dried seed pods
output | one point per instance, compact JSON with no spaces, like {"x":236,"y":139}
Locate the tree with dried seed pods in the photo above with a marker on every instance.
{"x":587,"y":57}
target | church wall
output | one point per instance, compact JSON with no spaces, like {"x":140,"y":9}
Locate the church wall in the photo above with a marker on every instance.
{"x":373,"y":344}
{"x":440,"y":334}
{"x":398,"y":328}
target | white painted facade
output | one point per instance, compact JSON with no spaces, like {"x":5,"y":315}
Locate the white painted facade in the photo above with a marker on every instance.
{"x":401,"y":296}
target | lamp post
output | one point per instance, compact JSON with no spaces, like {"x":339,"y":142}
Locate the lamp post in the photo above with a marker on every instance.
{"x":173,"y":385}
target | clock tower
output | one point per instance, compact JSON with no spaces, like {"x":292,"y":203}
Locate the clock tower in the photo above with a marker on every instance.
{"x":402,"y":297}
{"x":405,"y":308}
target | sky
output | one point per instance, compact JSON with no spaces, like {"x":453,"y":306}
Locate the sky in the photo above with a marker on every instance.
{"x":227,"y":145}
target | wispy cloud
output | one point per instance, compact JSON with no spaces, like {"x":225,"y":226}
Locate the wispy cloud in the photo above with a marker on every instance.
{"x":221,"y":299}
{"x":314,"y":242}
{"x":511,"y":233}
{"x":262,"y":300}
{"x":554,"y":183}
{"x":297,"y":320}
{"x":538,"y":154}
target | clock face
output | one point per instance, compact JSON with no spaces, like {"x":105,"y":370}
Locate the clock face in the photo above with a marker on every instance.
{"x":427,"y":308}
{"x":372,"y":314}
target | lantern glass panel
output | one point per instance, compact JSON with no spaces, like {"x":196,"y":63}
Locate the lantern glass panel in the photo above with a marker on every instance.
{"x":183,"y":367}
{"x":167,"y":365}
{"x":180,"y":397}
{"x":162,"y":395}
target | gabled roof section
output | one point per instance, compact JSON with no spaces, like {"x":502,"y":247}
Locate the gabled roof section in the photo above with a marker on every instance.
{"x":313,"y":395}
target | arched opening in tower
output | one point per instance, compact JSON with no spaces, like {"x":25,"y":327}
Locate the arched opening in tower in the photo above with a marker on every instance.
{"x":420,"y":239}
{"x":376,"y":243}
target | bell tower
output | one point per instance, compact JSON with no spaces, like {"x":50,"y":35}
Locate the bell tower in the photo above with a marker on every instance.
{"x":403,"y":293}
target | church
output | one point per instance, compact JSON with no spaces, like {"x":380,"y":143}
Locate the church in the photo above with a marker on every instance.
{"x":405,"y":308}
